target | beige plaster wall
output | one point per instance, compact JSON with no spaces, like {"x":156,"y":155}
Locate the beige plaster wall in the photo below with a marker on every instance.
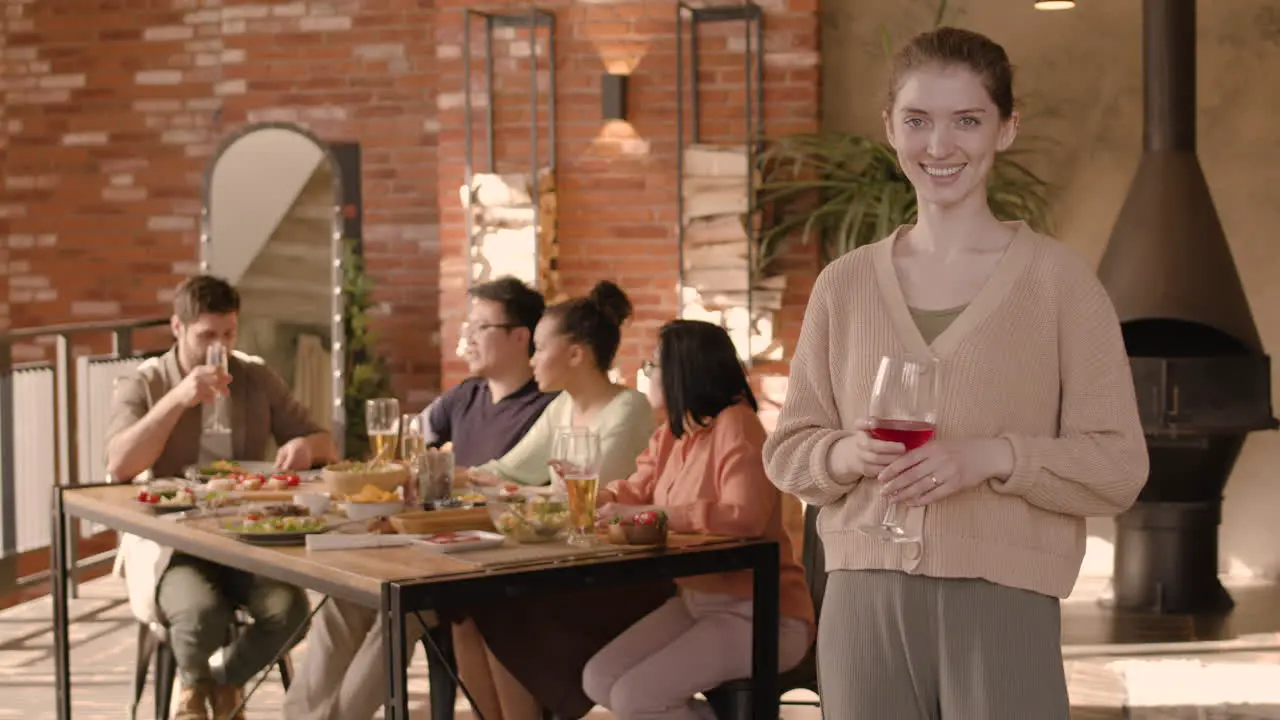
{"x":1079,"y":84}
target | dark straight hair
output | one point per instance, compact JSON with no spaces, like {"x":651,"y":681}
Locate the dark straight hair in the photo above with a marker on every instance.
{"x":701,"y":373}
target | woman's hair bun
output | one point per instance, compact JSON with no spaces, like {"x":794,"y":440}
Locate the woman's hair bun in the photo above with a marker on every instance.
{"x":611,"y":301}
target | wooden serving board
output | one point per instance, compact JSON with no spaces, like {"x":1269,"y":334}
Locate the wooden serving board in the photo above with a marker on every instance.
{"x":422,"y":522}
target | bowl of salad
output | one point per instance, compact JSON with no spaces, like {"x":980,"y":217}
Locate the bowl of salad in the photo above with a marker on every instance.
{"x":528,"y":514}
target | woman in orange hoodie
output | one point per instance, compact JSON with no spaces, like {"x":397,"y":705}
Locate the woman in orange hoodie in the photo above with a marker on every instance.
{"x":705,"y":471}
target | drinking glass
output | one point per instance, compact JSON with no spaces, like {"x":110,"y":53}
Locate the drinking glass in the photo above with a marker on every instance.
{"x":903,"y":409}
{"x":575,"y":457}
{"x":435,"y":474}
{"x":215,"y":414}
{"x":382,"y":423}
{"x":412,"y":439}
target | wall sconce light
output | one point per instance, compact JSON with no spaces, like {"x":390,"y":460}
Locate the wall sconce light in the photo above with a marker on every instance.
{"x":613,"y":97}
{"x":1055,"y":4}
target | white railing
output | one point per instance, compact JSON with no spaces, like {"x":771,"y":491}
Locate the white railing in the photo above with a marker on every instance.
{"x":53,"y":421}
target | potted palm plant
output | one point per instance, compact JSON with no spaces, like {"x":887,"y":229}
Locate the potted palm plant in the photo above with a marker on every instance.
{"x":846,"y":190}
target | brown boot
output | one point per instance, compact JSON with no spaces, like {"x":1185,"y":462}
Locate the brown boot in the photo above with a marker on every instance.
{"x":225,"y":699}
{"x":193,"y":703}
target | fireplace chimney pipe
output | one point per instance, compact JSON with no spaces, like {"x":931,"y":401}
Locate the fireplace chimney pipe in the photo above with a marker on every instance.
{"x":1169,"y":120}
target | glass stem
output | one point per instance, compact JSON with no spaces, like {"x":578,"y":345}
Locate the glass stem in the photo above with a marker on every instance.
{"x":891,"y":516}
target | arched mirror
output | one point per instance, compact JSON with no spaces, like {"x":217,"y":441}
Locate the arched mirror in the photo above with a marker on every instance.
{"x":272,"y":227}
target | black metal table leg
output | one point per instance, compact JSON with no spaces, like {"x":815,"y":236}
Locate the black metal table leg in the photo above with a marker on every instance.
{"x":764,"y":634}
{"x":397,"y":707}
{"x":442,"y":666}
{"x":61,"y":615}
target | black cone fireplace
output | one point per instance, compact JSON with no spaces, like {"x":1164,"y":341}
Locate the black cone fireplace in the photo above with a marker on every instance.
{"x":1202,"y":378}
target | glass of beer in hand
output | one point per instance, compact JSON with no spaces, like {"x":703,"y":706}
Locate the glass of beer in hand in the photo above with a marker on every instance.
{"x":575,"y":458}
{"x":904,"y":409}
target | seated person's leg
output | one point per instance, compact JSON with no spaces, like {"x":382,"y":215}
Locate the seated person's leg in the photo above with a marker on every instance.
{"x":516,"y":700}
{"x":338,"y":634}
{"x":474,"y":671}
{"x":277,"y":610}
{"x":198,"y":616}
{"x":545,"y":642}
{"x":713,"y":648}
{"x":646,"y":638}
{"x":363,"y":689}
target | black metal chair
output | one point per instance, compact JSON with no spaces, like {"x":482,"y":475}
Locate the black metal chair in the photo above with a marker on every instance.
{"x":153,"y":645}
{"x":732,"y":700}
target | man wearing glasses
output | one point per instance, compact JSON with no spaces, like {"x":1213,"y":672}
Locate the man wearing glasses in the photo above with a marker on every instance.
{"x":483,"y":417}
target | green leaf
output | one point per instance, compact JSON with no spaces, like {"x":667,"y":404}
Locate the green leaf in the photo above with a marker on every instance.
{"x":367,"y":375}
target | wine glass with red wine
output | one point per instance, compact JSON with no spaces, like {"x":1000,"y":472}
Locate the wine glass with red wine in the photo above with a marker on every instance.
{"x":904,"y":409}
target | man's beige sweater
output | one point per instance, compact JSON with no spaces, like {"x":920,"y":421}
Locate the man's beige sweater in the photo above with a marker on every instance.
{"x":1036,"y":358}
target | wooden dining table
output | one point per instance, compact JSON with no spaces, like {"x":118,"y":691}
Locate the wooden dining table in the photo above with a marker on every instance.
{"x":401,"y":582}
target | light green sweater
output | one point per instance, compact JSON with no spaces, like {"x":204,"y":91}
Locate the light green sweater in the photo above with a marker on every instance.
{"x":624,"y":426}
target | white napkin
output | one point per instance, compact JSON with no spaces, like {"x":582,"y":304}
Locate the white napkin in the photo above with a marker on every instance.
{"x":344,"y":541}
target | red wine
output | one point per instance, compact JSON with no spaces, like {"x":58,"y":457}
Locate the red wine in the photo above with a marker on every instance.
{"x":911,"y":433}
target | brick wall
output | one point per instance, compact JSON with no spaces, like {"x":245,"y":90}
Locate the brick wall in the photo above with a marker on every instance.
{"x":112,"y":109}
{"x":617,"y":182}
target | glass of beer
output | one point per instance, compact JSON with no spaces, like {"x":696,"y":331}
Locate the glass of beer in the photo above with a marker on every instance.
{"x":382,"y":422}
{"x":575,"y":458}
{"x":412,"y":439}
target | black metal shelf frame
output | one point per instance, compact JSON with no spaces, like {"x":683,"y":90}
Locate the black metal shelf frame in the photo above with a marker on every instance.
{"x":531,"y":19}
{"x":752,"y":18}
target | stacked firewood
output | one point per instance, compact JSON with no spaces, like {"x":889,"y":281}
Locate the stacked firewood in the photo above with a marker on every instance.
{"x":508,"y":236}
{"x":717,"y":254}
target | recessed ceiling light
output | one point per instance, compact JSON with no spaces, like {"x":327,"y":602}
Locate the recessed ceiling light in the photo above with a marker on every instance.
{"x":1055,"y":4}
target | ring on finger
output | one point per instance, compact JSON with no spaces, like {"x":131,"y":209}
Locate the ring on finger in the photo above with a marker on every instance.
{"x":934,"y":480}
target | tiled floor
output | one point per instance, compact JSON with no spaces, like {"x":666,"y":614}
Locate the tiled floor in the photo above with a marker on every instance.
{"x":1220,"y":686}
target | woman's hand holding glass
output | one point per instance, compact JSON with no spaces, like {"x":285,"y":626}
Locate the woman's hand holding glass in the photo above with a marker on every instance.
{"x":941,"y":468}
{"x":862,"y":456}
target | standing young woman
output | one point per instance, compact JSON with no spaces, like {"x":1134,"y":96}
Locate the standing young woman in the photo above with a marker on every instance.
{"x":1037,"y":426}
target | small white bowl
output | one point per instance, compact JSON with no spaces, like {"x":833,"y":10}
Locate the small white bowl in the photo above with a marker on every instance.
{"x":316,"y":503}
{"x":366,"y":511}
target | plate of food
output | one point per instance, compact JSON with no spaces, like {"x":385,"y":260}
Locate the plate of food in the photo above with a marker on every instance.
{"x":165,"y":498}
{"x":279,"y":524}
{"x":460,"y":541}
{"x":254,"y":482}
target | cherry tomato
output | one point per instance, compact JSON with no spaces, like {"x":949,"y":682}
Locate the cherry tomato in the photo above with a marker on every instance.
{"x":648,"y":517}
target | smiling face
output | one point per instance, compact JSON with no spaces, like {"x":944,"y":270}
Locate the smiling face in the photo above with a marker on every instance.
{"x":947,"y":130}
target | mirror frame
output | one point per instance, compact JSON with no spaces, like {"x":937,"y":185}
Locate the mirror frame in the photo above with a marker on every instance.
{"x":337,"y":326}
